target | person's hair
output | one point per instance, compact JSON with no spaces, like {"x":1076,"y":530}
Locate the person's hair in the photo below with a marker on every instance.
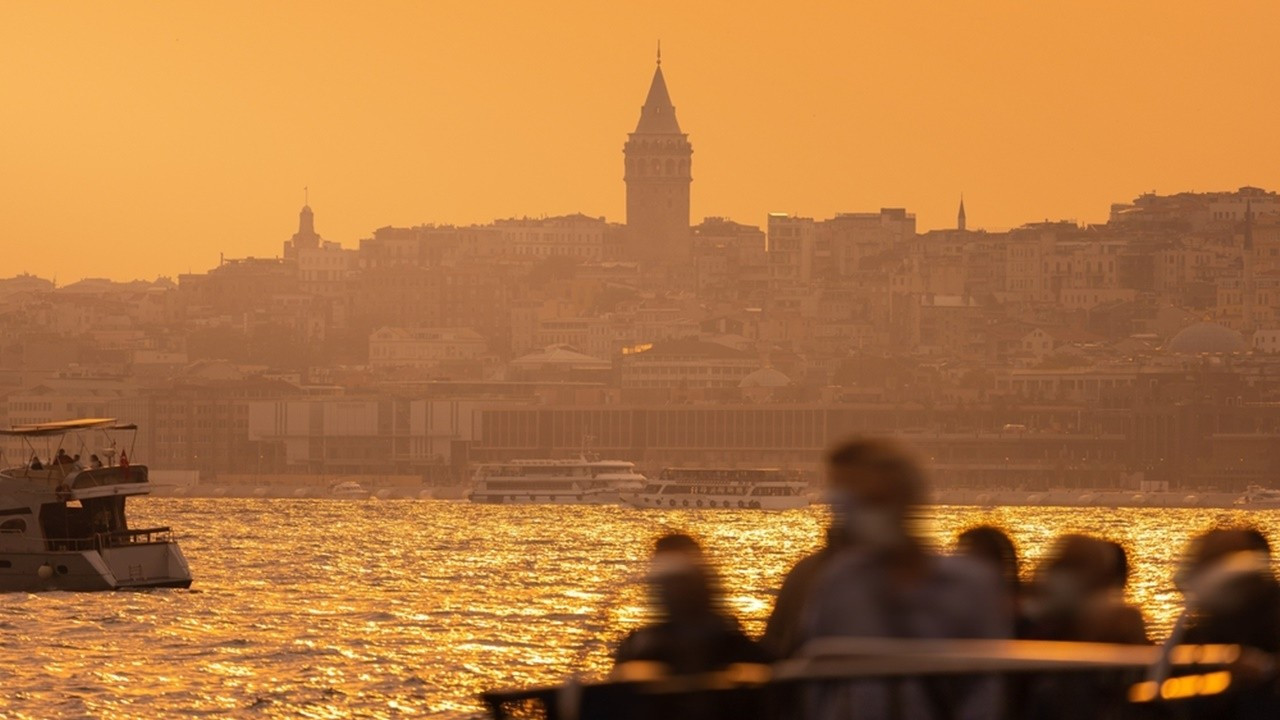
{"x":1256,"y":540}
{"x":1121,"y":568}
{"x":677,"y":542}
{"x":1217,"y":543}
{"x":1091,"y":559}
{"x":990,"y":543}
{"x":884,"y":456}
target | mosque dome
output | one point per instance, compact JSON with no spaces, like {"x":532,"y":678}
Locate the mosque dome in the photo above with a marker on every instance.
{"x":1206,"y":337}
{"x":765,"y":378}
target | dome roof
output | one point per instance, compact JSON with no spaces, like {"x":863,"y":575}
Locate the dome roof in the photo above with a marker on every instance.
{"x":1206,"y":337}
{"x":765,"y":378}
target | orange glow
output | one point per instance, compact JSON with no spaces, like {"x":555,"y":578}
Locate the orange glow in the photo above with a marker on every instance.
{"x":145,"y":139}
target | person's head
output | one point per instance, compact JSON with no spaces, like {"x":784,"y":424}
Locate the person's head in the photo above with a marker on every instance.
{"x":1078,"y":568}
{"x":1120,"y":570}
{"x":990,"y":544}
{"x":1212,"y":547}
{"x":874,"y":485}
{"x":678,"y":577}
{"x":61,"y":452}
{"x":1223,"y":567}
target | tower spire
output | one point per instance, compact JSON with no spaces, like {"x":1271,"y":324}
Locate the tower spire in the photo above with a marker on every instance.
{"x":960,"y":218}
{"x":659,"y":53}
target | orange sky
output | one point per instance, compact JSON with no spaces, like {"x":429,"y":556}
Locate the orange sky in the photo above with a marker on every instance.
{"x":143,"y":139}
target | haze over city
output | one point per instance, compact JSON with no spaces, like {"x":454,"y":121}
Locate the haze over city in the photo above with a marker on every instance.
{"x":143,"y":140}
{"x":644,"y":361}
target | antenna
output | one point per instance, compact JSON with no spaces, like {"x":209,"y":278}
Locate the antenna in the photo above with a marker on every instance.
{"x":306,"y":195}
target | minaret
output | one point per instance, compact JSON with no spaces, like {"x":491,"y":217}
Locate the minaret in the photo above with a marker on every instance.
{"x":657,"y":174}
{"x":960,"y":223}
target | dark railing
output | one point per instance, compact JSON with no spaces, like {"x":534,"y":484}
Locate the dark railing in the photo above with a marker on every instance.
{"x":768,"y":692}
{"x":115,"y":475}
{"x":120,"y":538}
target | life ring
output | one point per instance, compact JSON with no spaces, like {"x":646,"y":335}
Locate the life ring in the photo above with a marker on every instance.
{"x":741,"y":504}
{"x":686,"y":503}
{"x":755,"y":505}
{"x":699,"y":503}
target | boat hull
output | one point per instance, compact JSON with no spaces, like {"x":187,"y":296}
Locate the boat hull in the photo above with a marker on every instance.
{"x":716,"y":502}
{"x":510,"y":498}
{"x":154,"y":565}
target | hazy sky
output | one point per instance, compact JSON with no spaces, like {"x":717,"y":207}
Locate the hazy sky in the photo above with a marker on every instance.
{"x":144,"y":139}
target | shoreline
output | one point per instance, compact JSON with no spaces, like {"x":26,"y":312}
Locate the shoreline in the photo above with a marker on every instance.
{"x":947,"y":497}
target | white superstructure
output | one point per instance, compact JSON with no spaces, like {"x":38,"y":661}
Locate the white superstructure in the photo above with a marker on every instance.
{"x":722,"y":488}
{"x":62,"y":517}
{"x":349,"y":490}
{"x":1257,"y":497}
{"x":583,"y":480}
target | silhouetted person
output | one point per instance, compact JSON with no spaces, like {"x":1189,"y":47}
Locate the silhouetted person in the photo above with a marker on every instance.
{"x":782,"y":632}
{"x":989,"y":544}
{"x":692,"y":633}
{"x":94,"y":462}
{"x":887,"y":584}
{"x":62,"y":458}
{"x":35,"y":463}
{"x":1079,"y":596}
{"x":1235,"y":600}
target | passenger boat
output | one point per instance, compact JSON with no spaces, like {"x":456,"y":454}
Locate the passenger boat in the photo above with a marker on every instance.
{"x":1258,"y":497}
{"x":63,"y":524}
{"x":584,"y":480}
{"x":723,"y":488}
{"x":349,"y":490}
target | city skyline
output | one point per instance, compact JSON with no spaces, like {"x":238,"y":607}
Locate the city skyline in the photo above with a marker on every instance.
{"x":207,"y":153}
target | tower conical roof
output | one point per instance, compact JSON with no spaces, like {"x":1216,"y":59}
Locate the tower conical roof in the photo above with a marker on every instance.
{"x":658,"y":116}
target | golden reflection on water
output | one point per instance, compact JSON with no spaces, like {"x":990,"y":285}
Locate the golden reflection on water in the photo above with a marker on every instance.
{"x":326,"y":609}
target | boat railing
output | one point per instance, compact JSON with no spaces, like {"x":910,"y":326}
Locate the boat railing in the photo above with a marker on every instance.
{"x":116,"y":475}
{"x":769,"y":692}
{"x":107,"y":540}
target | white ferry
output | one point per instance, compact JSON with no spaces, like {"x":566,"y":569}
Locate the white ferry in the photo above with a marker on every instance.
{"x":1258,"y":497}
{"x":723,"y":488}
{"x":62,"y":518}
{"x":584,"y":480}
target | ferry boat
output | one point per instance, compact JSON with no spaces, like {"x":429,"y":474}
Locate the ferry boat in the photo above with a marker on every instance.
{"x":723,"y":488}
{"x":62,"y":518}
{"x":585,"y":480}
{"x":1258,"y":497}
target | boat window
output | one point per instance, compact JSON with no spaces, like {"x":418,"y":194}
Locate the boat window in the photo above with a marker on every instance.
{"x":5,"y":564}
{"x":13,"y":525}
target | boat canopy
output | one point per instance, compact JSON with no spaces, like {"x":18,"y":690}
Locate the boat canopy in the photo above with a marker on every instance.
{"x":62,"y":427}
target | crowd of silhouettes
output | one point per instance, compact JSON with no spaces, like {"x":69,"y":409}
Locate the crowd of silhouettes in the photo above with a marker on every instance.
{"x":877,"y":576}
